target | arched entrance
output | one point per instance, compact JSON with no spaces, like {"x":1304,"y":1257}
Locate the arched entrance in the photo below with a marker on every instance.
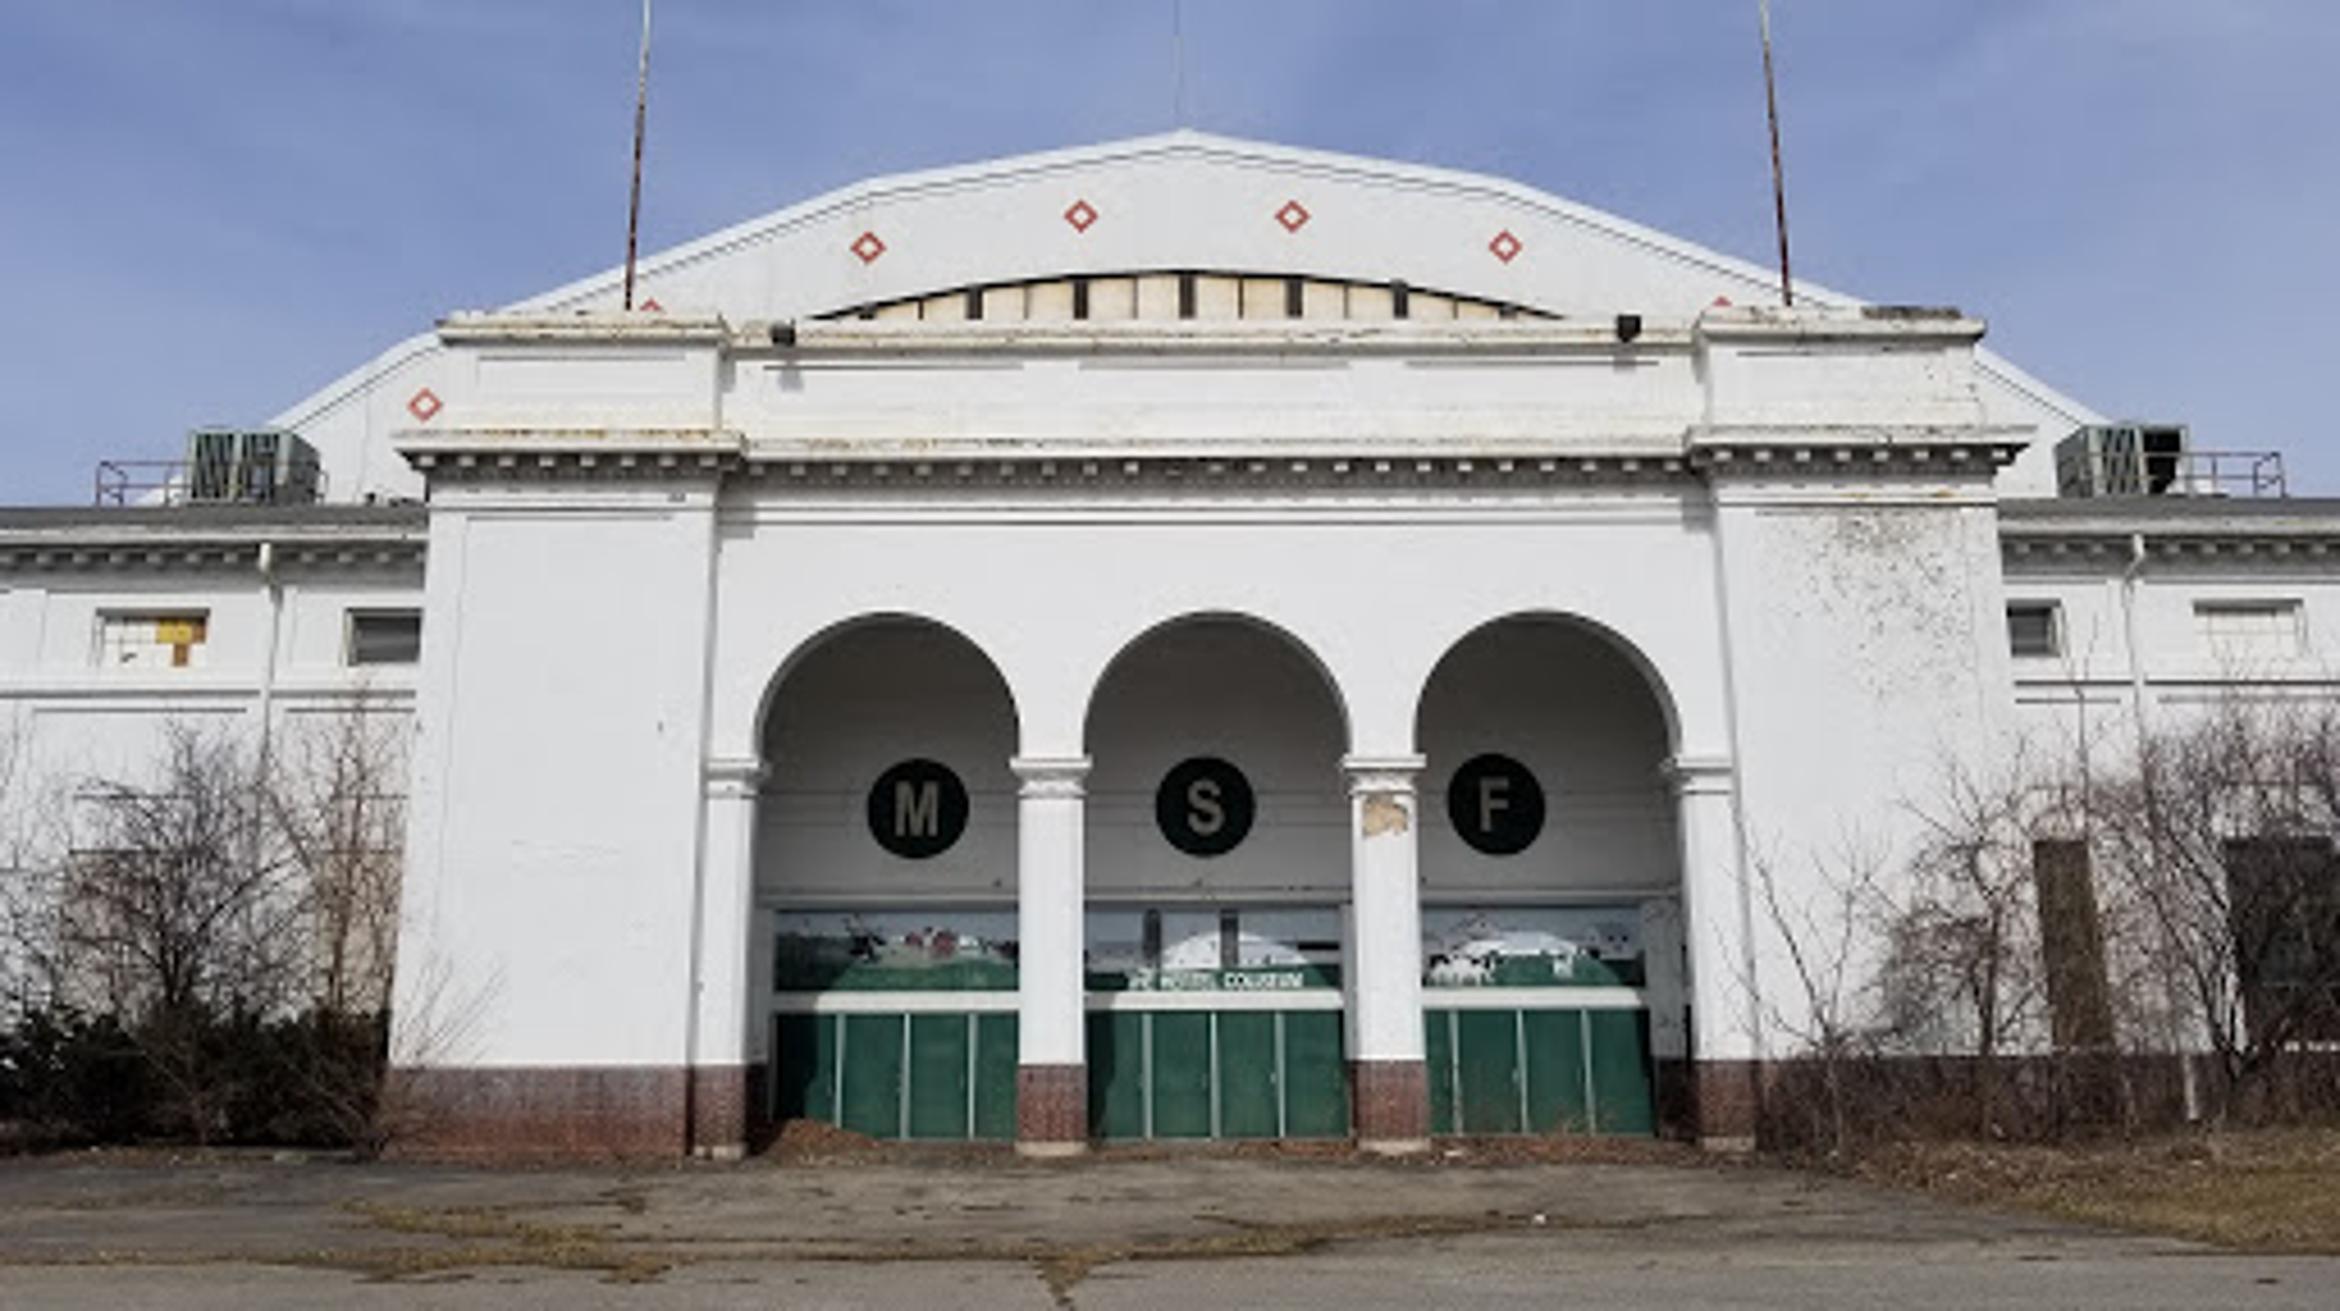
{"x":886,"y":872}
{"x":1217,"y":865}
{"x":1551,"y":879}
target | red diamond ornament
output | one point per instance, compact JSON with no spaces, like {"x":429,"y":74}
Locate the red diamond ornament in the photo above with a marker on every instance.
{"x":1294,"y":216}
{"x":867,"y":247}
{"x":1505,"y":246}
{"x":424,"y":404}
{"x":1081,"y":215}
{"x":651,"y":306}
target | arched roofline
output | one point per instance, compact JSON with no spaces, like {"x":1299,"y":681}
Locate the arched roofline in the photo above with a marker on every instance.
{"x":1653,"y":678}
{"x":1466,"y":190}
{"x":886,"y":188}
{"x":1276,"y":632}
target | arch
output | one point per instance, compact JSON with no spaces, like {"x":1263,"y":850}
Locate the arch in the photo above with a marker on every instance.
{"x":1284,"y":636}
{"x":1652,"y":677}
{"x":842,"y":629}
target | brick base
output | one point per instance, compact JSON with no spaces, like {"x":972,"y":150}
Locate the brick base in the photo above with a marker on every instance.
{"x":1052,"y":1106}
{"x":721,"y":1096}
{"x":568,"y":1112}
{"x":1726,"y":1103}
{"x":1392,"y":1103}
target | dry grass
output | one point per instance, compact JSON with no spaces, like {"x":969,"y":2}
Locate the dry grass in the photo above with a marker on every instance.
{"x":2261,"y":1191}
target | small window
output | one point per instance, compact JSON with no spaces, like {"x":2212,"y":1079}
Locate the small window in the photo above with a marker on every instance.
{"x":385,"y":637}
{"x":152,"y":641}
{"x":2251,"y":630}
{"x":2035,"y":630}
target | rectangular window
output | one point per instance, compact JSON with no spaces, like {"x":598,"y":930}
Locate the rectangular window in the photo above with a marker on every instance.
{"x":172,"y":640}
{"x":385,"y":637}
{"x":2251,"y":630}
{"x":2035,"y":630}
{"x":2071,"y":940}
{"x":2283,"y":907}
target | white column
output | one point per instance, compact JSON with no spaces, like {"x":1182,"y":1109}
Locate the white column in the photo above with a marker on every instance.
{"x":1049,"y":904}
{"x":1725,"y":1003}
{"x":1385,"y":953}
{"x":727,"y":1002}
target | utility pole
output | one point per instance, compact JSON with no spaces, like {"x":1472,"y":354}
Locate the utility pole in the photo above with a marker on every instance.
{"x":641,"y":110}
{"x":1787,"y":288}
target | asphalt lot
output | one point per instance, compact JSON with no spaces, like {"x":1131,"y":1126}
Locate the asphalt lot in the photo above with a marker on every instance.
{"x":1180,"y":1232}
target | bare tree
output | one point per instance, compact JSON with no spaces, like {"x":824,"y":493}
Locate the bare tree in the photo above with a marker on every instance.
{"x":1822,"y":923}
{"x":338,"y":798}
{"x":2222,"y":841}
{"x":182,"y":909}
{"x":1966,"y":969}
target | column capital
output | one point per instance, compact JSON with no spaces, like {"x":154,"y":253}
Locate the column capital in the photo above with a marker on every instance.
{"x":1381,"y":775}
{"x":1701,"y":775}
{"x":733,"y":777}
{"x":1052,"y":776}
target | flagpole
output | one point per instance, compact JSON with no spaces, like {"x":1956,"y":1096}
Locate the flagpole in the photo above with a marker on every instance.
{"x":641,"y":109}
{"x":1787,"y":289}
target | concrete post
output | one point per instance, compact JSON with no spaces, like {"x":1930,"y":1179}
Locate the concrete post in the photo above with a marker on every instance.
{"x":1721,"y":1082}
{"x":725,"y":1093}
{"x":1052,"y":1085}
{"x":1390,"y":1082}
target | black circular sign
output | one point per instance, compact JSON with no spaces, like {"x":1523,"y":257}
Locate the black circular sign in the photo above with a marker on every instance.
{"x":1204,"y":806}
{"x":917,"y":809}
{"x":1495,"y":804}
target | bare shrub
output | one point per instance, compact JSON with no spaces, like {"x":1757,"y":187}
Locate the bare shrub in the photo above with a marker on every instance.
{"x":2221,"y":845}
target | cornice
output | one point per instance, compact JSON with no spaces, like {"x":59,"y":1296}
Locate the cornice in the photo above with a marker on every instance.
{"x":2170,"y":529}
{"x":191,"y":542}
{"x":535,"y":454}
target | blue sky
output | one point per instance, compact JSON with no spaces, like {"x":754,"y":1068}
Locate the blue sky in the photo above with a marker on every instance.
{"x":209,"y":208}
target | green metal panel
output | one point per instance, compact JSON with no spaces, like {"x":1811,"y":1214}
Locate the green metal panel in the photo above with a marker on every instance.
{"x":873,"y":1075}
{"x":804,"y":1064}
{"x":1438,"y":1053}
{"x":1117,"y":1070}
{"x":1182,"y":1074}
{"x":1316,"y":1077}
{"x":939,"y":1083}
{"x":1487,"y":1059}
{"x":1553,"y":1058}
{"x":995,"y":1076}
{"x":1247,"y":1074}
{"x":1620,"y":1072}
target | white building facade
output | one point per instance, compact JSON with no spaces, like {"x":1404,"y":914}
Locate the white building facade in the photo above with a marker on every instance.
{"x":1176,"y":639}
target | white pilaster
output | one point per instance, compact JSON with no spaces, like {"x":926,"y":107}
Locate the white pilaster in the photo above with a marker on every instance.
{"x":727,"y":997}
{"x":1721,"y":990}
{"x":1049,"y":904}
{"x":1385,"y":953}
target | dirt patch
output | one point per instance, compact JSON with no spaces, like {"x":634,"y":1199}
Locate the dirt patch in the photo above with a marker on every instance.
{"x":2265,"y":1191}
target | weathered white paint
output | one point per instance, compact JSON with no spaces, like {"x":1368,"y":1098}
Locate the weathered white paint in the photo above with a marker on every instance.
{"x":1757,"y":561}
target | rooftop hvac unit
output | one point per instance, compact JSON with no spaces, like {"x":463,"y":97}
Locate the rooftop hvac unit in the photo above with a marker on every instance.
{"x":251,"y":466}
{"x":2129,"y":459}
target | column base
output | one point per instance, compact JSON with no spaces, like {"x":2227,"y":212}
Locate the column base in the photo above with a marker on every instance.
{"x":1052,"y":1109}
{"x":722,"y":1098}
{"x":1727,"y":1103}
{"x":1392,"y":1106}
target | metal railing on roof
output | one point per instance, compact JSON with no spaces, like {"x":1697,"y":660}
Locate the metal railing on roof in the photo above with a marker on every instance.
{"x":126,"y":483}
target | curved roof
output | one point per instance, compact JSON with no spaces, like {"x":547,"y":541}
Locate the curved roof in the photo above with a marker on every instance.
{"x":1180,"y":201}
